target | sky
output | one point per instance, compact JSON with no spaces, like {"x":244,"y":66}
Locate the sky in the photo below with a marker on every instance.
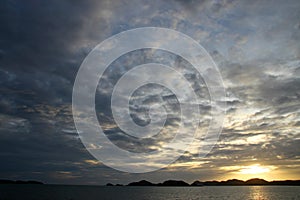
{"x":255,"y":45}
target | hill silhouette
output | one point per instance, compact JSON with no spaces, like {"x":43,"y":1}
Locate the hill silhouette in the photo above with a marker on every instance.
{"x":230,"y":182}
{"x":141,"y":183}
{"x":173,"y":183}
{"x":2,"y":181}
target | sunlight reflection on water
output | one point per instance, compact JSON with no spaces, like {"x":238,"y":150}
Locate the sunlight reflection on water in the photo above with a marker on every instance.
{"x":258,"y":192}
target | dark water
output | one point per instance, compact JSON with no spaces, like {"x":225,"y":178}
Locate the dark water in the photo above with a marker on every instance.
{"x":60,"y":192}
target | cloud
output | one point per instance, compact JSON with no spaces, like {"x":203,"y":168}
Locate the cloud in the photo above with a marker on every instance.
{"x":43,"y":45}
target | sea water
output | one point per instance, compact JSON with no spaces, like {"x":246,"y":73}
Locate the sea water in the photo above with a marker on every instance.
{"x":63,"y":192}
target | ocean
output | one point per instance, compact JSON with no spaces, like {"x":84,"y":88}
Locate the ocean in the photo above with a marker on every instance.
{"x":63,"y":192}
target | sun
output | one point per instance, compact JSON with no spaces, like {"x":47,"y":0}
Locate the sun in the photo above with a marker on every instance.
{"x":254,"y":169}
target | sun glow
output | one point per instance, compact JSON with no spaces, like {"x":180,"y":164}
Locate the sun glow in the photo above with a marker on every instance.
{"x":254,"y":169}
{"x":246,"y":172}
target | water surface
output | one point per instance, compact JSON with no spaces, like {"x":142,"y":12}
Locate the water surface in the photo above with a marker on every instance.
{"x":62,"y":192}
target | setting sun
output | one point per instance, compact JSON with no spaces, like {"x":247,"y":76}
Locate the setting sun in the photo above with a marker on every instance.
{"x":252,"y":171}
{"x":255,"y":169}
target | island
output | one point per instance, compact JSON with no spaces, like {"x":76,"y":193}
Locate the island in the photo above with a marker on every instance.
{"x":3,"y":181}
{"x":230,"y":182}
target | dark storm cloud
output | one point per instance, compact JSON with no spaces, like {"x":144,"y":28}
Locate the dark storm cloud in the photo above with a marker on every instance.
{"x":42,"y":45}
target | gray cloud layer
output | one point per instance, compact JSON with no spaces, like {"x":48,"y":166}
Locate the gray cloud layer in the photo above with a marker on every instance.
{"x":42,"y":44}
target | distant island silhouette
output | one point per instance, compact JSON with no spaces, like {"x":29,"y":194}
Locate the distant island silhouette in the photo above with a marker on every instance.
{"x":2,"y":181}
{"x":180,"y":183}
{"x":230,"y":182}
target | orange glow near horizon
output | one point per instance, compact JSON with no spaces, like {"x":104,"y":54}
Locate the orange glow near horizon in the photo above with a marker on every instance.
{"x":255,"y":169}
{"x":252,"y":171}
